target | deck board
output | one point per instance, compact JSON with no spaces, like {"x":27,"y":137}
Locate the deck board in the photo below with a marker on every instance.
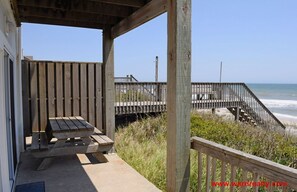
{"x":122,"y":108}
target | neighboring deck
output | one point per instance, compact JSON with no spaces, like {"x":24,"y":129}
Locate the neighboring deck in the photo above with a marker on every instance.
{"x":124,"y":108}
{"x":151,"y":97}
{"x":78,"y":173}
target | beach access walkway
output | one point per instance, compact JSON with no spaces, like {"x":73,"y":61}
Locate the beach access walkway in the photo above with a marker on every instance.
{"x":151,"y":97}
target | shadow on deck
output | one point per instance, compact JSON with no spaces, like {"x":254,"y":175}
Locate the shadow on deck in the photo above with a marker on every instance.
{"x":80,"y":173}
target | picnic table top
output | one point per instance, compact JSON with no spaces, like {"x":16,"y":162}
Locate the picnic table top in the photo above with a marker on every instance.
{"x":70,"y":124}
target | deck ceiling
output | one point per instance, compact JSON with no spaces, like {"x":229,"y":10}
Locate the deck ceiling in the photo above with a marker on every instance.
{"x":97,"y":14}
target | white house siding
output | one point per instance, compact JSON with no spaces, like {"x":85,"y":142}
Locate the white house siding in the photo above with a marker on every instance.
{"x":9,"y":42}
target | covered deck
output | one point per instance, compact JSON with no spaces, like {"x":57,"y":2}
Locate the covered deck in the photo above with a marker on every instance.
{"x":83,"y":173}
{"x":116,"y":17}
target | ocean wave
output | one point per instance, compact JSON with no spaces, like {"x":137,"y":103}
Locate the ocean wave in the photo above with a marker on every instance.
{"x":285,"y":116}
{"x":291,"y":104}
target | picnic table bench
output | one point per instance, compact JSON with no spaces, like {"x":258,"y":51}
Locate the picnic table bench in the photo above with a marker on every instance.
{"x":74,"y":135}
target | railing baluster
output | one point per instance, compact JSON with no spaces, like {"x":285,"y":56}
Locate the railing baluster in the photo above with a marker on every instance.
{"x":208,"y":173}
{"x":256,"y":179}
{"x":214,"y":171}
{"x":243,"y":161}
{"x":270,"y":188}
{"x":244,"y":179}
{"x":223,"y":175}
{"x":199,"y":171}
{"x":232,"y":178}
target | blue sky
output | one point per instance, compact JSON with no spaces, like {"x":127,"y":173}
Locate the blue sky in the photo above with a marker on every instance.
{"x":255,"y":40}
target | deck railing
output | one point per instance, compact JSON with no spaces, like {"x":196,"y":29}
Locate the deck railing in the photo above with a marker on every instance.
{"x":146,"y":97}
{"x":254,"y":107}
{"x":140,"y":97}
{"x":221,"y":168}
{"x":128,"y":78}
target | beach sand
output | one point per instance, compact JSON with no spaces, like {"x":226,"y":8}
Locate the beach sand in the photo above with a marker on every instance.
{"x":290,"y":123}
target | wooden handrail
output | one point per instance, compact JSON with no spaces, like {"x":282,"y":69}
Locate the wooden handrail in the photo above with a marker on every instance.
{"x":204,"y":96}
{"x":263,"y":106}
{"x":253,"y":164}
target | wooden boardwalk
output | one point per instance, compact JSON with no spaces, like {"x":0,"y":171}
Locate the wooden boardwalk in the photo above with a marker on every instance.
{"x":151,"y":97}
{"x":124,"y":108}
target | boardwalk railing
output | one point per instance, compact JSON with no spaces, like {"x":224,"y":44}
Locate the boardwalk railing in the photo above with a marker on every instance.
{"x":225,"y":169}
{"x":140,"y":97}
{"x":147,"y":97}
{"x":128,"y":78}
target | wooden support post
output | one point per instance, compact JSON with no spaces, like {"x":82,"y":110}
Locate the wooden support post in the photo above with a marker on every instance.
{"x":213,"y":110}
{"x":108,"y":84}
{"x":179,"y":94}
{"x":237,"y":110}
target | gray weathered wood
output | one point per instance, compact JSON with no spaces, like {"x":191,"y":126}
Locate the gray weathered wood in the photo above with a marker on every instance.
{"x":51,"y":89}
{"x":42,"y":96}
{"x":199,"y":171}
{"x":97,"y":131}
{"x":244,"y":178}
{"x":100,"y":157}
{"x":34,"y":96}
{"x":67,"y":89}
{"x":83,"y":91}
{"x":77,"y":123}
{"x":223,"y":175}
{"x":26,"y":91}
{"x":81,"y":140}
{"x":70,"y":127}
{"x":75,"y":89}
{"x":70,"y":124}
{"x":108,"y":84}
{"x":269,"y":170}
{"x":107,"y":139}
{"x":91,"y":93}
{"x":59,"y":90}
{"x":34,"y":106}
{"x":213,"y":172}
{"x":232,"y":177}
{"x":35,"y":141}
{"x":151,"y":10}
{"x":86,"y":124}
{"x":98,"y":93}
{"x":179,"y":94}
{"x":71,"y":150}
{"x":256,"y":179}
{"x":208,"y":173}
{"x":130,"y":3}
{"x":62,"y":125}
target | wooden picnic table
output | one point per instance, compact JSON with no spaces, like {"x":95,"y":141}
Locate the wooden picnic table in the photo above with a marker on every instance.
{"x":74,"y":135}
{"x":70,"y":127}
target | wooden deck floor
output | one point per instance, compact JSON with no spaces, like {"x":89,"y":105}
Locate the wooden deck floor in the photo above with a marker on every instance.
{"x":82,"y":173}
{"x":123,"y":108}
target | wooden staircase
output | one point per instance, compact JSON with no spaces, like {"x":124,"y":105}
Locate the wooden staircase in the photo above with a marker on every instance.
{"x":243,"y":116}
{"x":150,"y":97}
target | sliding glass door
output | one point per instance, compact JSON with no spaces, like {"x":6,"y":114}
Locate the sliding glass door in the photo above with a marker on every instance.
{"x":10,"y":116}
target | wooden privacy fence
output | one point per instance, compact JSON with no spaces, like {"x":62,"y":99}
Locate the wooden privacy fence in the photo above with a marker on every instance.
{"x":57,"y":89}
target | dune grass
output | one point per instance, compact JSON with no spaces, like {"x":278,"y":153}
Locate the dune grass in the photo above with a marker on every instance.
{"x":142,"y":144}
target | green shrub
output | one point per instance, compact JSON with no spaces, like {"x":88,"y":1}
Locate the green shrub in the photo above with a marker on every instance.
{"x":143,"y":144}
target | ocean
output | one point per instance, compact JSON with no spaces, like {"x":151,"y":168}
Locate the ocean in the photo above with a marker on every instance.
{"x":281,"y":99}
